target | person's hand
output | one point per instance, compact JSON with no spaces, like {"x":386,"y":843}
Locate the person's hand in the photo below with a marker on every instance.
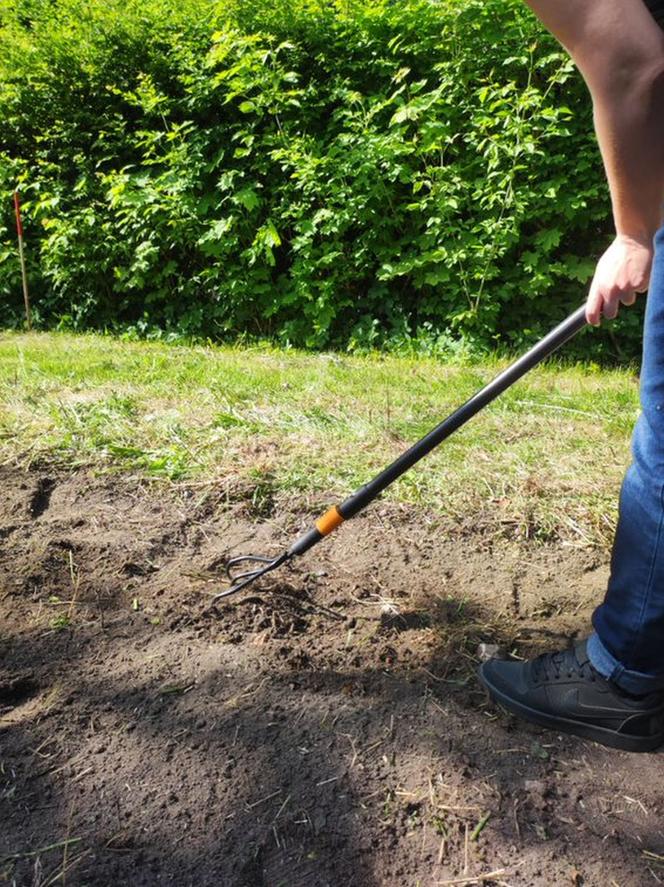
{"x":621,"y":273}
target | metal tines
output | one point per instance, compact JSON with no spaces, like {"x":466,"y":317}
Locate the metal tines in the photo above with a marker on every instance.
{"x":241,"y":580}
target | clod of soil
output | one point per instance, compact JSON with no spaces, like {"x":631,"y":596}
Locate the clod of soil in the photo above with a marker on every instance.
{"x":324,"y":728}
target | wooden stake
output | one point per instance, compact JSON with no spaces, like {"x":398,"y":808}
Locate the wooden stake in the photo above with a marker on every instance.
{"x":24,"y":276}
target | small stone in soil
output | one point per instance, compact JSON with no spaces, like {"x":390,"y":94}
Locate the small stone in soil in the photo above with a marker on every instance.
{"x":489,"y":651}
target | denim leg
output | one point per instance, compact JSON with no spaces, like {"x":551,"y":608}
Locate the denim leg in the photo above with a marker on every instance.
{"x":628,"y":644}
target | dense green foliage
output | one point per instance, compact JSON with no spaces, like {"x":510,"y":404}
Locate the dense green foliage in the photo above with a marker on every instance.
{"x":330,"y":174}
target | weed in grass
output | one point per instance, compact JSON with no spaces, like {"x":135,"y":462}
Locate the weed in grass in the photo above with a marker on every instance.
{"x":60,"y":622}
{"x":262,"y":496}
{"x":232,"y":420}
{"x":437,"y":823}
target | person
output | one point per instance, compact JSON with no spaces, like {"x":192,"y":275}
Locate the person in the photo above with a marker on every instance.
{"x":610,"y":686}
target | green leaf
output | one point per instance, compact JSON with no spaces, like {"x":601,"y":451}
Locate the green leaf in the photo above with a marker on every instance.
{"x":247,"y":198}
{"x":272,"y":235}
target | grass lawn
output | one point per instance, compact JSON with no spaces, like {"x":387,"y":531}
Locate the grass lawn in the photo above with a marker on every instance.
{"x":544,"y":461}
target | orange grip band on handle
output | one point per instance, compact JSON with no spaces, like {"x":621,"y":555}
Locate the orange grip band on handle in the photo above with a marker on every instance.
{"x":329,"y":521}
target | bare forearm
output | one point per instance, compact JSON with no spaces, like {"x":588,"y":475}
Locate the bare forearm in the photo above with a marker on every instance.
{"x":629,"y":120}
{"x":620,"y":51}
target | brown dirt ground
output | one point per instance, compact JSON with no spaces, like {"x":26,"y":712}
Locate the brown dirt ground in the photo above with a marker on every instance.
{"x":325,"y":730}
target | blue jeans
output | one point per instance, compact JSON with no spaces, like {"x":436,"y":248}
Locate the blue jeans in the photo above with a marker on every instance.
{"x":627,"y":645}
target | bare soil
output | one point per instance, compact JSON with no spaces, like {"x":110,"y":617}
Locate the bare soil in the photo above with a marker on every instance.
{"x":324,"y":729}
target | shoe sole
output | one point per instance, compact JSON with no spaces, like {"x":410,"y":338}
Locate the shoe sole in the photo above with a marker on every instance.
{"x":577,"y":728}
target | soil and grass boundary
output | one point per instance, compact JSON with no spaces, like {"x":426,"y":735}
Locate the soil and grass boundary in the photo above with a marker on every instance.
{"x":327,"y":727}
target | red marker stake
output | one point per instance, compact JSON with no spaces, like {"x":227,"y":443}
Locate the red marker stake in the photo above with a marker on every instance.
{"x":19,"y":231}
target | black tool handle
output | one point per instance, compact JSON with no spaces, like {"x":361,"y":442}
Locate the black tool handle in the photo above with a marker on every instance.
{"x":550,"y":343}
{"x":336,"y":515}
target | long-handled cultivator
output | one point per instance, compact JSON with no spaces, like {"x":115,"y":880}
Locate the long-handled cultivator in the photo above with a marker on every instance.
{"x":259,"y":565}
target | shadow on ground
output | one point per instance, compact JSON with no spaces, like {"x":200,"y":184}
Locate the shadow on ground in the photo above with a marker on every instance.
{"x":327,"y":732}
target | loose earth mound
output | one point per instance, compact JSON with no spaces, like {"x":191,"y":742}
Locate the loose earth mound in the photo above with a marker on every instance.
{"x":325,"y":728}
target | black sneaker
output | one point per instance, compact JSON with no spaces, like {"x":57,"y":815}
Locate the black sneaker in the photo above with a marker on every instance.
{"x":563,"y":691}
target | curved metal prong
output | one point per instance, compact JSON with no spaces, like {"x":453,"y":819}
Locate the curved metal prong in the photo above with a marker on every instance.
{"x":241,"y":580}
{"x":245,"y":558}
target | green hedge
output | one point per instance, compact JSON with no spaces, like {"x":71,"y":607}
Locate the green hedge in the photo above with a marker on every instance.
{"x":330,"y":174}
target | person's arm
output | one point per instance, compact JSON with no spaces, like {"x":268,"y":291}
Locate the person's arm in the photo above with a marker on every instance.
{"x":619,"y":49}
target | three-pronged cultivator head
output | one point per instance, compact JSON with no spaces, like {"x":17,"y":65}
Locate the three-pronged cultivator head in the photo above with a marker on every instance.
{"x":240,"y":580}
